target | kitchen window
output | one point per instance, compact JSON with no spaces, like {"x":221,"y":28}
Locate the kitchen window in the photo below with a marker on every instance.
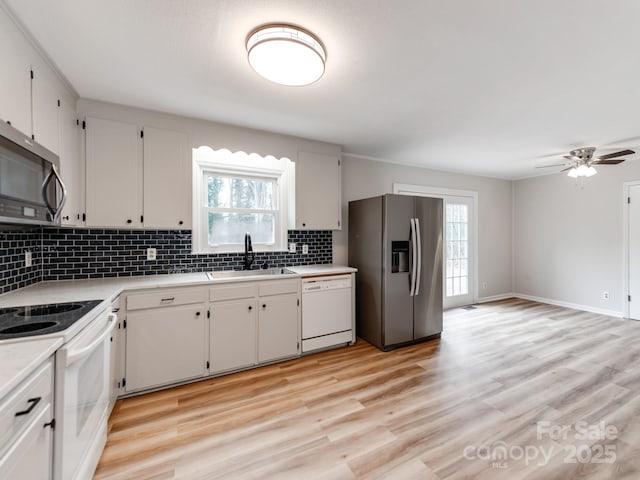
{"x":236,"y":193}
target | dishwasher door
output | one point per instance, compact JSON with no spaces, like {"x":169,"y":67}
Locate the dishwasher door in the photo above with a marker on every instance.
{"x":326,"y":310}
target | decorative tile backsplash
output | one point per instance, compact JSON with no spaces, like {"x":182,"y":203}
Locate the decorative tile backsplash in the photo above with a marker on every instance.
{"x":80,"y":253}
{"x":13,"y":245}
{"x":94,"y":253}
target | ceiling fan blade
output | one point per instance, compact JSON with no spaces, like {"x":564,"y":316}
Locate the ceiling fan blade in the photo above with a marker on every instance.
{"x":556,"y":165}
{"x":616,"y":154}
{"x":568,"y":168}
{"x":608,"y":162}
{"x":572,"y":158}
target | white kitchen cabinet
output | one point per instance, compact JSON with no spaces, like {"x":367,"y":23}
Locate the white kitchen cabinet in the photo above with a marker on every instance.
{"x":278,"y":319}
{"x":30,"y":455}
{"x":71,"y":168}
{"x":318,"y":192}
{"x":165,"y":345}
{"x":15,"y":80}
{"x":167,"y":179}
{"x":46,"y":105}
{"x":278,"y":332}
{"x":113,"y":174}
{"x":26,"y":428}
{"x":233,"y":334}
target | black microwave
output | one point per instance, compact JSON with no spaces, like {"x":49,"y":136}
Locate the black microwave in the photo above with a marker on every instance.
{"x":31,"y":190}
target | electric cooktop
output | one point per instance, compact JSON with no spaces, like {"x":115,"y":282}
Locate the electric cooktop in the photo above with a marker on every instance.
{"x":32,"y":320}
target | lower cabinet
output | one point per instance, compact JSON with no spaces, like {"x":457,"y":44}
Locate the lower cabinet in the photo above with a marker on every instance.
{"x":233,"y":334}
{"x":26,"y":427}
{"x":176,"y":335}
{"x":165,"y":345}
{"x":278,"y":333}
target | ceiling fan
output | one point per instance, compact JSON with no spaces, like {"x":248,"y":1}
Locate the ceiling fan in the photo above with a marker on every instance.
{"x":580,"y":161}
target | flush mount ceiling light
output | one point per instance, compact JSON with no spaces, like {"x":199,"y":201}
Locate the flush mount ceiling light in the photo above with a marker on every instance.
{"x":286,"y":54}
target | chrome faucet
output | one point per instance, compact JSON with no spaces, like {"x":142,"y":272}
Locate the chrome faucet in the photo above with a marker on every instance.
{"x":248,"y":252}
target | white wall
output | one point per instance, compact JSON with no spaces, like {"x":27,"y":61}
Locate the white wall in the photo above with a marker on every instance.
{"x":568,"y":239}
{"x":362,"y":178}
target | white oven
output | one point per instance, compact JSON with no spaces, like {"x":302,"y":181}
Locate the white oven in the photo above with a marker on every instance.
{"x":82,"y":399}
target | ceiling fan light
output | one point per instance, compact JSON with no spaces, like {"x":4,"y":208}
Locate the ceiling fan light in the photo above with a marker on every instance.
{"x":590,"y":172}
{"x":286,"y":54}
{"x":573,"y":173}
{"x":582,"y":170}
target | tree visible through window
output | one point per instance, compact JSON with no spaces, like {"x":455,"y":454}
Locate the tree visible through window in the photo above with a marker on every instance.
{"x":236,"y":205}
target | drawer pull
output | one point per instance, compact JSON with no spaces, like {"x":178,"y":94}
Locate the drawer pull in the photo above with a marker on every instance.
{"x":250,"y":308}
{"x":170,"y":299}
{"x":33,"y":402}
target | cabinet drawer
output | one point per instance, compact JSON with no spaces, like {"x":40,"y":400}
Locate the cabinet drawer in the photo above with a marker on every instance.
{"x":233,"y":292}
{"x":34,"y":393}
{"x":278,"y":287}
{"x":166,"y":298}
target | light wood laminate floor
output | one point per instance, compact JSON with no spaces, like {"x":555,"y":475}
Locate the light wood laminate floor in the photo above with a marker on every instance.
{"x":545,"y":386}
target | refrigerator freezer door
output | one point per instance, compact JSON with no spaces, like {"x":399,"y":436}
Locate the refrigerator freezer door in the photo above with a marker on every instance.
{"x":428,"y":302}
{"x":398,"y":210}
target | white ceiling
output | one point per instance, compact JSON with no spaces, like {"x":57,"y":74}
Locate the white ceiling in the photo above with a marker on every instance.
{"x":493,"y":87}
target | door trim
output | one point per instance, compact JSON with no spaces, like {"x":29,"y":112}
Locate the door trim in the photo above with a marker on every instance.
{"x":439,"y":192}
{"x":626,"y":186}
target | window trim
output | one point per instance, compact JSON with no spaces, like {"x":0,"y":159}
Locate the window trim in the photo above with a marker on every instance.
{"x":281,"y":171}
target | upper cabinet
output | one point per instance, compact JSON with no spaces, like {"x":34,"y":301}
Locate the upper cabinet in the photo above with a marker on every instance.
{"x":46,"y":105}
{"x":167,"y":179}
{"x":136,"y":177}
{"x":318,"y":192}
{"x":71,"y":166}
{"x":113,"y":174}
{"x":15,"y":80}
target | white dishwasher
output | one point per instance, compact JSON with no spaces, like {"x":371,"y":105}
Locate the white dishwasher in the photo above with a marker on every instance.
{"x":326,"y":312}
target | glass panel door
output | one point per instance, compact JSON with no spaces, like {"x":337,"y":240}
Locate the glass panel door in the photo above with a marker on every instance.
{"x":458,"y":261}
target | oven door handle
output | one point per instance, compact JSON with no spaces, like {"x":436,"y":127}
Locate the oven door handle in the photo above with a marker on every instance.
{"x":73,"y":357}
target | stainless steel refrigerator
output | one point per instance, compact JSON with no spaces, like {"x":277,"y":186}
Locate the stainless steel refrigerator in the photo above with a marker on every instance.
{"x":395,"y":242}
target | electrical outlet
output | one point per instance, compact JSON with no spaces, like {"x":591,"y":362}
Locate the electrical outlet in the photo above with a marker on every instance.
{"x":292,"y":247}
{"x":605,"y":295}
{"x":305,"y":249}
{"x":28,"y":259}
{"x":151,"y":253}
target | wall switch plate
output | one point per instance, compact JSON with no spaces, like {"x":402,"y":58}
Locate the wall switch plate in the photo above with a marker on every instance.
{"x":305,"y":249}
{"x":151,"y":253}
{"x":484,"y":285}
{"x":605,"y":295}
{"x":292,"y":247}
{"x":28,"y":259}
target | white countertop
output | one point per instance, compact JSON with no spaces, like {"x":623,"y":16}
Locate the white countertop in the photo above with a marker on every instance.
{"x":329,"y":269}
{"x":19,"y":357}
{"x":18,"y":360}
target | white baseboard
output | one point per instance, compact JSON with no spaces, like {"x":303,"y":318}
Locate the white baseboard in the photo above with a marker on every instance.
{"x":586,"y":308}
{"x":495,"y":298}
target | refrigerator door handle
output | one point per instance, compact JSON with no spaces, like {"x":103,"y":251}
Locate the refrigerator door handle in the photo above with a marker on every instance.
{"x":419,"y":258}
{"x":414,"y":251}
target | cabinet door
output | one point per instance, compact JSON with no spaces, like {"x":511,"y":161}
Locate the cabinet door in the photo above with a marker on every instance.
{"x":45,"y":99}
{"x":70,"y":165}
{"x":30,"y":456}
{"x":167,"y":179}
{"x":233,"y":334}
{"x":113,"y":171}
{"x":165,"y":346}
{"x":15,"y":79}
{"x":318,"y":192}
{"x":278,"y":327}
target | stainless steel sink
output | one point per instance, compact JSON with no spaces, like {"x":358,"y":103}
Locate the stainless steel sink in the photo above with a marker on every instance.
{"x":266,"y":272}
